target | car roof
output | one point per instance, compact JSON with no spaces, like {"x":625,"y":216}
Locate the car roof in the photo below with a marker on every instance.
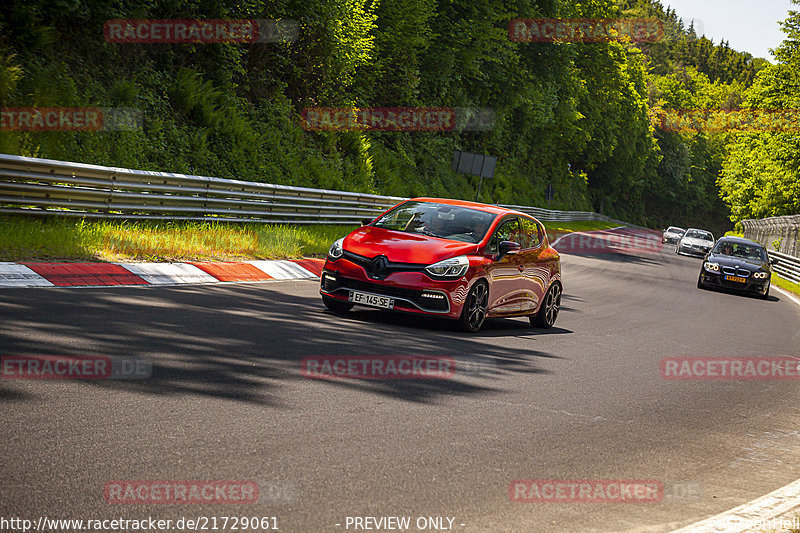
{"x":740,"y":240}
{"x":675,"y":227}
{"x":472,"y":205}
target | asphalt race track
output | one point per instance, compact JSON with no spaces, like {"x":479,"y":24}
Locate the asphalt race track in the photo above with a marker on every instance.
{"x":227,"y":401}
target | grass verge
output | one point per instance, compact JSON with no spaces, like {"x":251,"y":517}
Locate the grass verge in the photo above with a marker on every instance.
{"x":66,"y":239}
{"x":582,"y":225}
{"x":785,"y":284}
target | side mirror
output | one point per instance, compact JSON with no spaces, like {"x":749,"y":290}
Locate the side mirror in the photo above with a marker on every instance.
{"x":365,"y":221}
{"x":508,"y":248}
{"x":773,"y":261}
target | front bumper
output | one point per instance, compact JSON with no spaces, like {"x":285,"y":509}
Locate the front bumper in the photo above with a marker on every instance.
{"x":413,"y":292}
{"x":751,"y":285}
{"x":693,"y":250}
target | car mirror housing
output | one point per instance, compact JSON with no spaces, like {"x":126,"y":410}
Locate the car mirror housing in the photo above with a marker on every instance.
{"x":773,"y":261}
{"x":508,"y":248}
{"x":365,"y":221}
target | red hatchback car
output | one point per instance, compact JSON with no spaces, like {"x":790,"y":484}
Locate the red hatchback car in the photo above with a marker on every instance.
{"x":461,"y":260}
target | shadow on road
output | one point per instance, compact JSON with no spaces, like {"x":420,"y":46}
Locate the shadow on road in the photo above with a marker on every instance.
{"x":245,"y":342}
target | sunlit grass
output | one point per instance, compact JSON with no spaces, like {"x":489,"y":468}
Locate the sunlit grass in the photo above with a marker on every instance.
{"x":785,"y":284}
{"x":582,"y":225}
{"x":28,"y":238}
{"x":68,"y":239}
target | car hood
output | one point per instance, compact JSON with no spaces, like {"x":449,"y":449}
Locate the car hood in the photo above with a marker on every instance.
{"x":726,"y":260}
{"x":696,"y":242}
{"x":401,"y":247}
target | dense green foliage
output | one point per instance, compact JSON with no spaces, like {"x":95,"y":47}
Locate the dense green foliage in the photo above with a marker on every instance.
{"x":761,"y":176}
{"x":573,"y":114}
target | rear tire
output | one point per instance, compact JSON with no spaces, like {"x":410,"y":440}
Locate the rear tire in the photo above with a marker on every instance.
{"x":336,"y":306}
{"x":474,"y":312}
{"x":548,"y":312}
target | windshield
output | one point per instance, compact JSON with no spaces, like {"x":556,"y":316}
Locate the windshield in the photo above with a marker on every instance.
{"x":741,"y":250}
{"x":699,"y":234}
{"x":438,"y":220}
{"x":673,"y":229}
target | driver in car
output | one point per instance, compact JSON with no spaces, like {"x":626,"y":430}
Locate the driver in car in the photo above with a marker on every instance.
{"x":726,"y":249}
{"x":479,"y":226}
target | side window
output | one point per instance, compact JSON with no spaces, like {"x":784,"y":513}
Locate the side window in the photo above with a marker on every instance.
{"x":530,"y":234}
{"x":508,"y":231}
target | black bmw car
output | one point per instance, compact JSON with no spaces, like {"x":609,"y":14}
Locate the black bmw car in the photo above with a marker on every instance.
{"x":737,"y":264}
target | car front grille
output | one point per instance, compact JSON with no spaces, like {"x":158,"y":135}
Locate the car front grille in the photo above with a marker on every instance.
{"x":380,"y":267}
{"x":736,"y":271}
{"x":410,"y":297}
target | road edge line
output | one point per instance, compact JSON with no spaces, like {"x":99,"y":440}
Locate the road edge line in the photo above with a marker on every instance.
{"x":779,"y":502}
{"x":745,"y":509}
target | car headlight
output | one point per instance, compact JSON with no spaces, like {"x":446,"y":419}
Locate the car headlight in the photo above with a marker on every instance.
{"x":761,"y":275}
{"x":454,"y":267}
{"x":711,"y":267}
{"x":336,"y":250}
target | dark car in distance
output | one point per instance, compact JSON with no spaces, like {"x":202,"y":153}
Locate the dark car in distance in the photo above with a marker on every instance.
{"x":672,"y":235}
{"x":737,"y":264}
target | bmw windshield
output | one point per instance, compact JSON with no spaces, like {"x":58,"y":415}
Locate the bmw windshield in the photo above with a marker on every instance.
{"x":740,"y":250}
{"x":438,"y":220}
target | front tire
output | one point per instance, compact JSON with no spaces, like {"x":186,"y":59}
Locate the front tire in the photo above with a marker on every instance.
{"x":700,"y":284}
{"x":474,"y":312}
{"x":765,"y":296}
{"x":336,"y":306}
{"x":548,"y":312}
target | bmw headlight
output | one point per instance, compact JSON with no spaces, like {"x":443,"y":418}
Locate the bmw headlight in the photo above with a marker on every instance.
{"x":449,"y":268}
{"x":761,"y":275}
{"x":711,"y":267}
{"x":336,"y":250}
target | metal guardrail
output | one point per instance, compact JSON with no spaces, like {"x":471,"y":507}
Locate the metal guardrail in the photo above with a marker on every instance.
{"x":783,"y":229}
{"x":49,"y":187}
{"x":788,"y":267}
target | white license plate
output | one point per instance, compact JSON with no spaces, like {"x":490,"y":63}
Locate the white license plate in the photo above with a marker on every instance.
{"x":363,"y":298}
